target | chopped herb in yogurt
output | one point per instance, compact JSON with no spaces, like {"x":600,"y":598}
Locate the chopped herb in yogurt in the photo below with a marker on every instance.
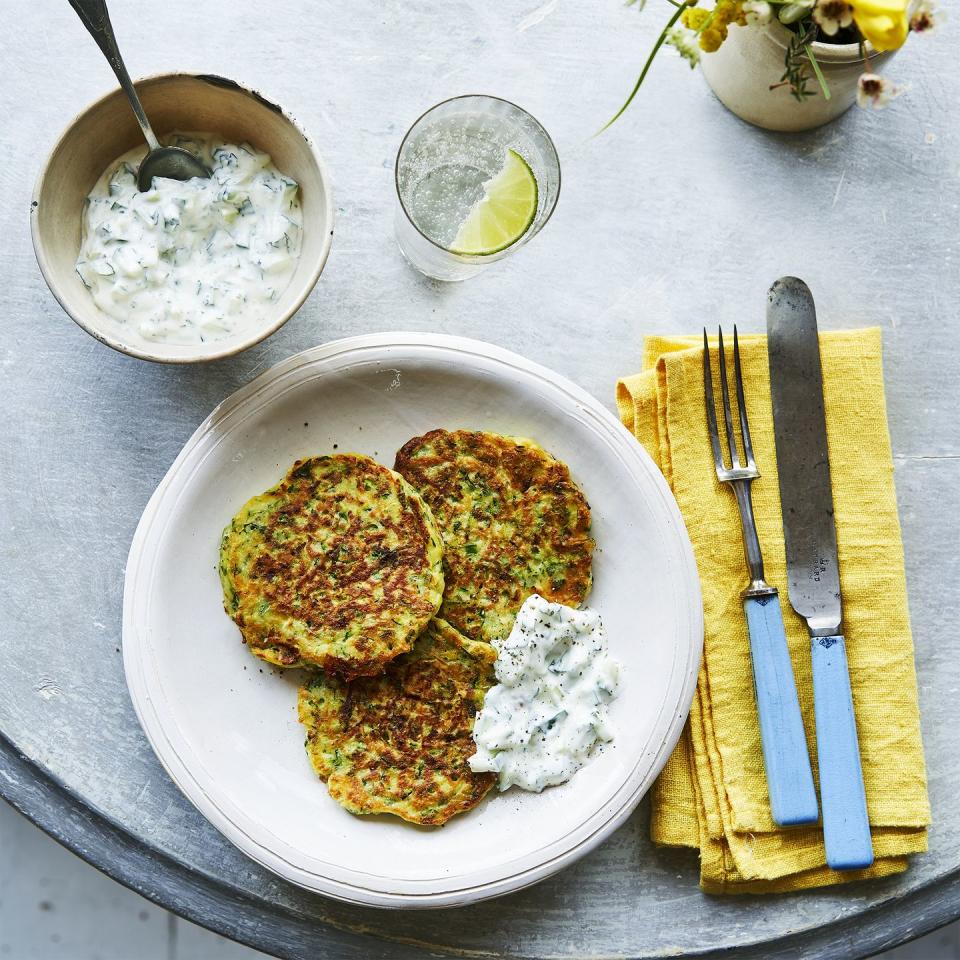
{"x":541,"y":721}
{"x":192,"y":261}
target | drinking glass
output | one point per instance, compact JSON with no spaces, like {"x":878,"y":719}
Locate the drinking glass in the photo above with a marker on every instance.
{"x":445,"y":160}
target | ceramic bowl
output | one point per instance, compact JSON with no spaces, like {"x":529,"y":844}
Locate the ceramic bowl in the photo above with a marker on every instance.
{"x":106,"y":129}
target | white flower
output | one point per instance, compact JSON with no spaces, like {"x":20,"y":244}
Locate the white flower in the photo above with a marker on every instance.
{"x":875,"y":91}
{"x":832,"y":15}
{"x":685,"y":42}
{"x":925,"y":17}
{"x":757,"y":12}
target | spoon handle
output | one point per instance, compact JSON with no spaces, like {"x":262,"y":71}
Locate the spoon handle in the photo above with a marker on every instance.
{"x":96,"y":18}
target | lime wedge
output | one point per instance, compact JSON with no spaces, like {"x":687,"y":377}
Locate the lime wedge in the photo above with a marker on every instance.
{"x":504,"y":214}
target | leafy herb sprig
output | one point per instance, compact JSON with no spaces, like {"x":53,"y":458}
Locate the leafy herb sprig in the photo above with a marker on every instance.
{"x":799,"y":54}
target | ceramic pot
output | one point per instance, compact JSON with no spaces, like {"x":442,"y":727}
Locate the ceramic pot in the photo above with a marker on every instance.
{"x":752,"y":58}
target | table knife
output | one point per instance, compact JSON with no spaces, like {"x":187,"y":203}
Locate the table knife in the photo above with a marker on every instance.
{"x":803,"y":464}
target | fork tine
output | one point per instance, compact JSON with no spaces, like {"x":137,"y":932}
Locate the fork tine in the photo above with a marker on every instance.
{"x":727,"y":416}
{"x":710,"y":405}
{"x":741,"y":402}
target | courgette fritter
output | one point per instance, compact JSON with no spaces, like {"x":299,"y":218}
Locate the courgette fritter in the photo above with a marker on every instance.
{"x":399,"y":743}
{"x":338,"y":566}
{"x":513,"y":524}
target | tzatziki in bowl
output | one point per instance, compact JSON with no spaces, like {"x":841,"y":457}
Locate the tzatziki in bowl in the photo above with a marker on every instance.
{"x":188,"y":271}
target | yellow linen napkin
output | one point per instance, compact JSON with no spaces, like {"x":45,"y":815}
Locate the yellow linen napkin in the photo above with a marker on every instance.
{"x":712,"y":794}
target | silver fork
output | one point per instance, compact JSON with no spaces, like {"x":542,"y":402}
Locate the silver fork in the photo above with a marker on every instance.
{"x":793,"y":800}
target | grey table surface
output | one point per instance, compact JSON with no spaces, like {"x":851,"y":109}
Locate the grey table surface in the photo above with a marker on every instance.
{"x":680,"y":216}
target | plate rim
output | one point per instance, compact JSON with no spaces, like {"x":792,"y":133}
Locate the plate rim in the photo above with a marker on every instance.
{"x":135,"y":651}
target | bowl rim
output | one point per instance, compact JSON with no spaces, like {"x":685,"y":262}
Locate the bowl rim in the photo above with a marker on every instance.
{"x":836,"y":54}
{"x":43,"y":261}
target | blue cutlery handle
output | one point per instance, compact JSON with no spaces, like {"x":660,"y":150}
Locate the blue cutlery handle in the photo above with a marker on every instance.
{"x":846,"y":829}
{"x":793,"y":799}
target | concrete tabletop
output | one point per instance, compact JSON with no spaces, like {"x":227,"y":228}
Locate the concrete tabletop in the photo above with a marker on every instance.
{"x":681,"y":215}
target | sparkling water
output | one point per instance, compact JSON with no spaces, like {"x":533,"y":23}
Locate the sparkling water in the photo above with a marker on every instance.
{"x":444,"y":162}
{"x":457,"y":157}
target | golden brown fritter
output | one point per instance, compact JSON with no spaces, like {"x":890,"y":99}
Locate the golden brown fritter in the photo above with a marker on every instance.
{"x":338,"y":566}
{"x":513,"y":523}
{"x":399,"y":743}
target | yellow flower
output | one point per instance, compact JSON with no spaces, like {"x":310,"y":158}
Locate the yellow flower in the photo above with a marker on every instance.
{"x":883,"y":22}
{"x":694,"y":17}
{"x":711,"y":38}
{"x":711,"y":25}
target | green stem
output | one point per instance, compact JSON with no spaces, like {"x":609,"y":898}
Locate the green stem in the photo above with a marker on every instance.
{"x":821,"y":79}
{"x":646,"y":67}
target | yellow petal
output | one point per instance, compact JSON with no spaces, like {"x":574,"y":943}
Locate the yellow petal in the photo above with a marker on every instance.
{"x":883,"y":22}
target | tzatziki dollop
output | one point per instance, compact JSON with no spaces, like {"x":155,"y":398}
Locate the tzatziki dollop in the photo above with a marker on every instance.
{"x":542,"y":719}
{"x":192,"y":261}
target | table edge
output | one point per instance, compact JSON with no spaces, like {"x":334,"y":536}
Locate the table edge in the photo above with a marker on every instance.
{"x":232,"y":913}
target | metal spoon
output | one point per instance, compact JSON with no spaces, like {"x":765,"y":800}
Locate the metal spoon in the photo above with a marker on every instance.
{"x":172,"y":162}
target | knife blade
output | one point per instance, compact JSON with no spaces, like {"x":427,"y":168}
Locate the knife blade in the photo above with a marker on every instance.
{"x":813,"y":576}
{"x":796,"y":387}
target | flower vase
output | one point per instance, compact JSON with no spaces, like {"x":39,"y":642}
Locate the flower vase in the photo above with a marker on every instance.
{"x":751,"y":59}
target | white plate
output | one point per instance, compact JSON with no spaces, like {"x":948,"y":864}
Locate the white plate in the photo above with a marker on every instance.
{"x":225,"y":726}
